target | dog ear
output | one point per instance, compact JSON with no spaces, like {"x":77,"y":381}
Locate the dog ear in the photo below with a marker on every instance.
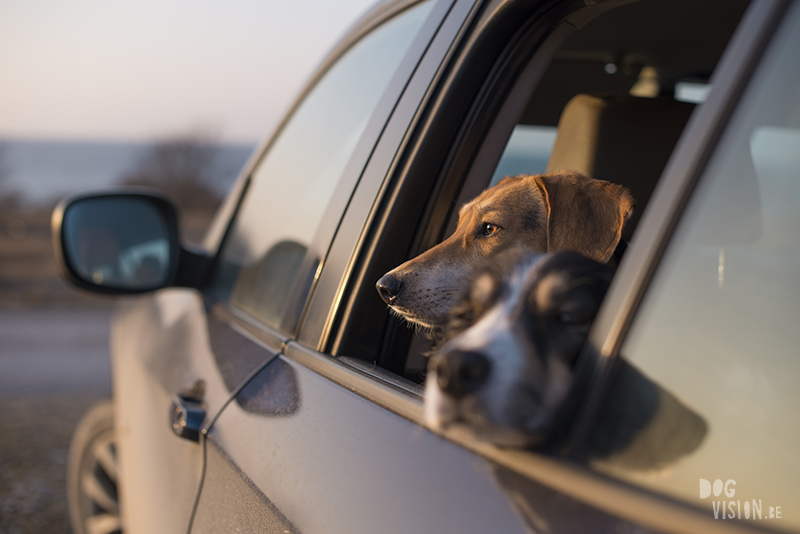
{"x":583,"y":214}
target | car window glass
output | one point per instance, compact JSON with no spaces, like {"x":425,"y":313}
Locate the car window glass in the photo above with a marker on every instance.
{"x":526,"y":152}
{"x":293,"y":183}
{"x":692,"y":92}
{"x":714,"y":346}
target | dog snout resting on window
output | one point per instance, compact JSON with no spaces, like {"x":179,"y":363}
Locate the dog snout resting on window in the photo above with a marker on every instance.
{"x":511,"y":343}
{"x":533,"y":213}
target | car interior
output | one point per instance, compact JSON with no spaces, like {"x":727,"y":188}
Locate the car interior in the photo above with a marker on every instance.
{"x":612,"y":104}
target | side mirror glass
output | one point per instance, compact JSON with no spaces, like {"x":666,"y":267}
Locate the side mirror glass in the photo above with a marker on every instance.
{"x":117,"y":242}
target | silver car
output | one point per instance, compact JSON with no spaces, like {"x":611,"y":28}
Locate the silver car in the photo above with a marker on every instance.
{"x":261,"y":385}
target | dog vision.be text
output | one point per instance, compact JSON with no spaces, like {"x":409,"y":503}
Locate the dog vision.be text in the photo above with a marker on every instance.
{"x":735,"y":509}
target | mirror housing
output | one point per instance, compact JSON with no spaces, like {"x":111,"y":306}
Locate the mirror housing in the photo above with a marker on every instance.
{"x":124,"y":242}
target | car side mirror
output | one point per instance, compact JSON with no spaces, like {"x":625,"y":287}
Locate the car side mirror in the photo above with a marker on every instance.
{"x":120,"y":242}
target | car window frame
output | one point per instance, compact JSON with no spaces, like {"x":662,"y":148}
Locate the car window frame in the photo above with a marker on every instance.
{"x":318,"y":345}
{"x":321,"y":321}
{"x":552,"y":26}
{"x":426,"y":163}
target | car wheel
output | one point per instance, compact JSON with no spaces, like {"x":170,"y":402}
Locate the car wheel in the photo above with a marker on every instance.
{"x":92,"y":474}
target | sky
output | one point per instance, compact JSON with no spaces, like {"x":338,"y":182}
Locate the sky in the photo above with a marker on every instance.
{"x":145,"y":69}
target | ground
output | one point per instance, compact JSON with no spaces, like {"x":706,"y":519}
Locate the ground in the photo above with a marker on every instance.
{"x":35,"y":431}
{"x":54,"y":366}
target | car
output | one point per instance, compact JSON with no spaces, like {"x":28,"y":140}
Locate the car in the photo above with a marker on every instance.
{"x":260,"y":384}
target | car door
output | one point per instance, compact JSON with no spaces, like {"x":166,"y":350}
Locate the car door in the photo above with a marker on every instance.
{"x":162,"y":360}
{"x":322,"y":439}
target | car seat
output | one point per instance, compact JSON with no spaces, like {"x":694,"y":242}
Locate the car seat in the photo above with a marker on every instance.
{"x":623,"y":139}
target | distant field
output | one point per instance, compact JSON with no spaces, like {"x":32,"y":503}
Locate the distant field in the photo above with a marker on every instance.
{"x":29,"y":277}
{"x":28,"y":274}
{"x":41,"y":171}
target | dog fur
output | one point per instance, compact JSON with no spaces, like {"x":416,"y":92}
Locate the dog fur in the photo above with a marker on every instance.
{"x":532,"y":213}
{"x":511,"y":344}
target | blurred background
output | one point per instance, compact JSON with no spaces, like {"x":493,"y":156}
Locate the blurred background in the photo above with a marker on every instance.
{"x":171,"y":94}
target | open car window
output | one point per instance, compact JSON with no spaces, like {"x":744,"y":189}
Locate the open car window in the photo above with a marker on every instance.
{"x":611,"y":104}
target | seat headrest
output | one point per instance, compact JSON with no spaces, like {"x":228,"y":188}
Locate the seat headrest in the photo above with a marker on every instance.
{"x":623,"y":139}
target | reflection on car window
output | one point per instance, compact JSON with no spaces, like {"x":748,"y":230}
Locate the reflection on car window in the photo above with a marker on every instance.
{"x":718,"y":327}
{"x":292,"y":185}
{"x":692,"y":92}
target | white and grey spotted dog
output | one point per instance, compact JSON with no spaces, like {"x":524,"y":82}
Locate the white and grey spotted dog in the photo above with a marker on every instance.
{"x":511,"y":344}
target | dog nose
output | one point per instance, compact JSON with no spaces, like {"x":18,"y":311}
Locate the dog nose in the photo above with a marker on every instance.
{"x":459,"y":373}
{"x":388,"y":287}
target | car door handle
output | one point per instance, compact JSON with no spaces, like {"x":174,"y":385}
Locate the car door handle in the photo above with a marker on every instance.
{"x":187,"y":416}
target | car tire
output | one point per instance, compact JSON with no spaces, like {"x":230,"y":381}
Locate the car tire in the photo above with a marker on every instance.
{"x":92,"y":469}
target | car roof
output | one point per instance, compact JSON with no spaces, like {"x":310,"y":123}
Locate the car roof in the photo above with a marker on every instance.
{"x":618,"y":37}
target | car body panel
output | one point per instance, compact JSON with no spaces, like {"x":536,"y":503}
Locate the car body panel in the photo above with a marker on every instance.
{"x":325,"y":459}
{"x":160,"y":346}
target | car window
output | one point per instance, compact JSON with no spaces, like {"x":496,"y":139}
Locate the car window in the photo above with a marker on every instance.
{"x":610,"y":117}
{"x":294,"y":181}
{"x":714,"y":345}
{"x":527,"y":151}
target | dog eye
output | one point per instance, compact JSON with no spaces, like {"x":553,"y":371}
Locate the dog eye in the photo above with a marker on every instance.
{"x":488,"y":229}
{"x":466,"y":315}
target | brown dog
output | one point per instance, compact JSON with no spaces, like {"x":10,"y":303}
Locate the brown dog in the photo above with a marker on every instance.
{"x":535,"y":213}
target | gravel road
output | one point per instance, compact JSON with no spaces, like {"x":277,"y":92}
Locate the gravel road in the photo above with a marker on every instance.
{"x":54,"y":351}
{"x":53,"y":366}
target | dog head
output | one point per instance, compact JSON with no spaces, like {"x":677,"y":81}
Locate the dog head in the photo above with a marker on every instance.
{"x":511,"y":345}
{"x":533,"y":213}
